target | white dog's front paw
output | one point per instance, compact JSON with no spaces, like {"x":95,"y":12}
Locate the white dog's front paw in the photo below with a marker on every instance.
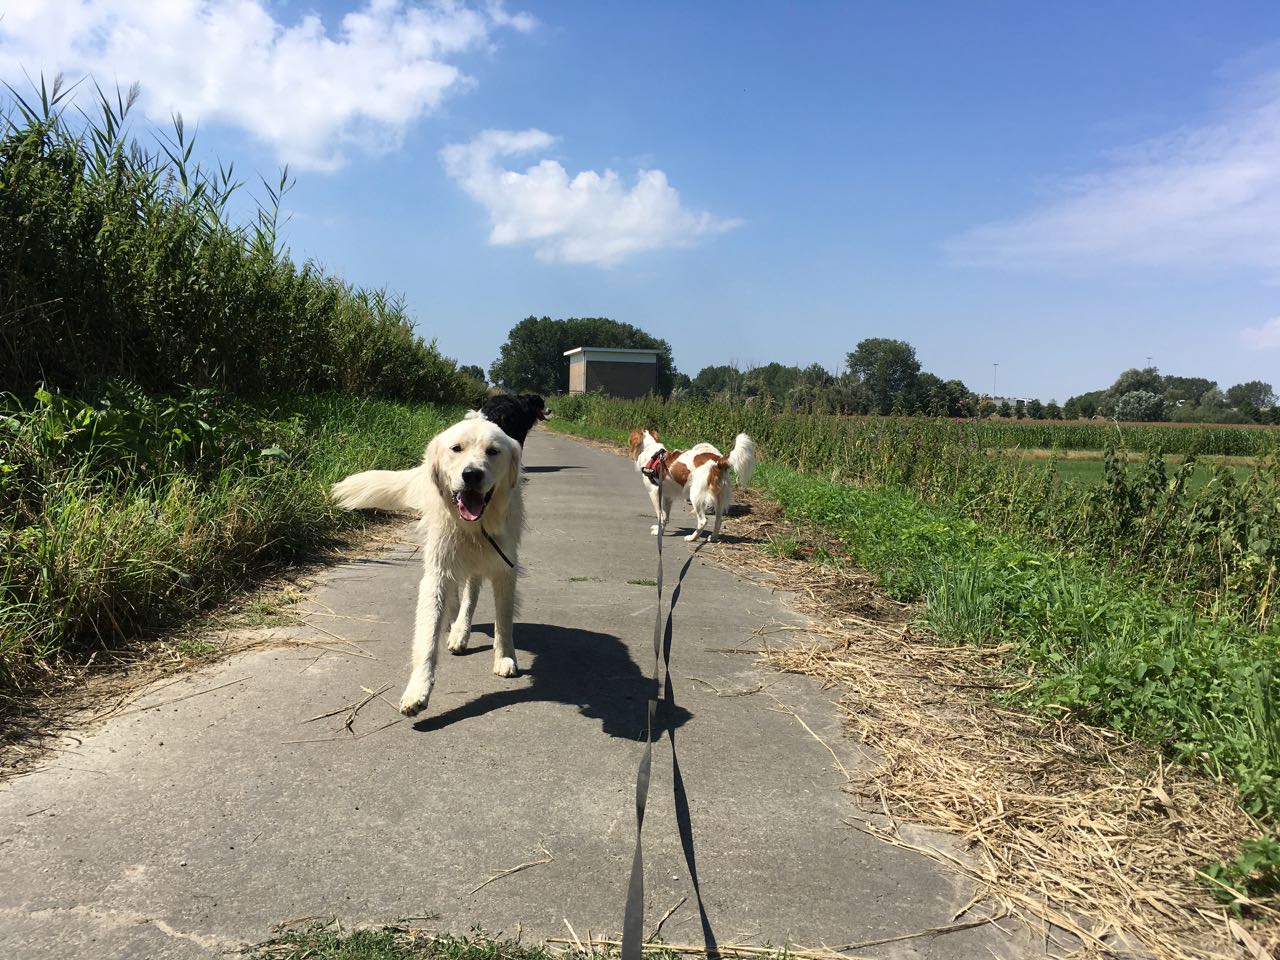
{"x":692,"y":537}
{"x":414,"y":699}
{"x":458,"y":639}
{"x":653,"y":530}
{"x":505,"y":666}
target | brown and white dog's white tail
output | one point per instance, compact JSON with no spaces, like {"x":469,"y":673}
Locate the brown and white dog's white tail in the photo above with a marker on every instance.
{"x":743,"y":459}
{"x":379,"y":490}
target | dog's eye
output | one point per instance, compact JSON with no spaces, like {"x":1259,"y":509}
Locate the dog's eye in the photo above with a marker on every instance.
{"x":456,"y":448}
{"x":492,"y":451}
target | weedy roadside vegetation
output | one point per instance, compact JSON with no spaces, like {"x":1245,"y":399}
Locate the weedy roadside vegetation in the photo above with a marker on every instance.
{"x":1135,"y":604}
{"x":179,"y":390}
{"x":123,"y":514}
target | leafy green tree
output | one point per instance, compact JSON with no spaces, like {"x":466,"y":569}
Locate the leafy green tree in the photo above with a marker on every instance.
{"x":533,"y":356}
{"x":1084,"y":406}
{"x":1139,"y":405}
{"x":1255,"y":393}
{"x":960,"y":399}
{"x":1005,"y":410}
{"x":1148,"y":379}
{"x":1019,"y":409}
{"x":1249,"y":411}
{"x":886,"y":368}
{"x":724,"y":380}
{"x":815,"y":390}
{"x":473,"y":370}
{"x":1213,"y":407}
{"x":773,"y":379}
{"x":817,"y":375}
{"x":1186,"y":390}
{"x":1052,"y":411}
{"x":849,"y":396}
{"x":1035,"y":410}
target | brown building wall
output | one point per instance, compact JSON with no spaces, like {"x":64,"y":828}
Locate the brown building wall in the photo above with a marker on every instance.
{"x":627,"y":380}
{"x":577,"y":377}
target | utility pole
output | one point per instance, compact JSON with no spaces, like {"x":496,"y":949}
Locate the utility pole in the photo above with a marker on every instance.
{"x":995,"y":373}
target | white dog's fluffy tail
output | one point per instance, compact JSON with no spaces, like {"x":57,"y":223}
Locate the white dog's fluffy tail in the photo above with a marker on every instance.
{"x":379,"y":490}
{"x":743,"y":459}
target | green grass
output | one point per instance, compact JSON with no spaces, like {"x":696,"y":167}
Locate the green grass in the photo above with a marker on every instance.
{"x":1088,"y":472}
{"x":112,"y":526}
{"x":644,"y":582}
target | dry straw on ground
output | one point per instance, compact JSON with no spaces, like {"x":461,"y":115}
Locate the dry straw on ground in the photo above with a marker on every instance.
{"x":1079,"y":830}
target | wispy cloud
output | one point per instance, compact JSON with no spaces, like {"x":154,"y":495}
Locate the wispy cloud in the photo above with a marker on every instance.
{"x":314,"y":94}
{"x":1265,"y":337}
{"x":1207,"y":195}
{"x":591,"y":218}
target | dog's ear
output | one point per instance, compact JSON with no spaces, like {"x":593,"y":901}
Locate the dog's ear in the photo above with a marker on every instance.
{"x":513,"y":463}
{"x":436,"y":469}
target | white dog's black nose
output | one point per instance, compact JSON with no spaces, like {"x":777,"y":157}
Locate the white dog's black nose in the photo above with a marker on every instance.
{"x":471,"y":476}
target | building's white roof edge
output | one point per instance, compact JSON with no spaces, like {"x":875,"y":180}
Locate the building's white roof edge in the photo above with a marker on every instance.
{"x":650,"y":351}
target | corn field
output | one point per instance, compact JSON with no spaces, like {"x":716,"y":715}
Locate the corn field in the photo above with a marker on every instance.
{"x":1217,"y":544}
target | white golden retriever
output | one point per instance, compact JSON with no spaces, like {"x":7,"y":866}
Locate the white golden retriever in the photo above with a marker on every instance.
{"x":467,"y":491}
{"x":701,"y":473}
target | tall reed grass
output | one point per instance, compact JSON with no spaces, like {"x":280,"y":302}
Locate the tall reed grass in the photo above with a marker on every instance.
{"x":120,"y":261}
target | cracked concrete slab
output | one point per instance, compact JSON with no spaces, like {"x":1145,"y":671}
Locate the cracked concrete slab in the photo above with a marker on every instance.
{"x":182,"y":828}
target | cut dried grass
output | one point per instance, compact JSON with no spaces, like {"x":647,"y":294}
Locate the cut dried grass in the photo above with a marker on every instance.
{"x":1073,"y":827}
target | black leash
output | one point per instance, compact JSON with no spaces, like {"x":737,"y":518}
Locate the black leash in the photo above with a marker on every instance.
{"x":496,"y":547}
{"x":633,"y":917}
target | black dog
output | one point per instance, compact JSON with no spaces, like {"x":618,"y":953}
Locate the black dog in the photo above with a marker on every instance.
{"x":515,"y":416}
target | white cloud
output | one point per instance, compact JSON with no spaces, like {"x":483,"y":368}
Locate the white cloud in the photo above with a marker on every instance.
{"x":1205,"y":196}
{"x":313,"y":94}
{"x":1265,"y":337}
{"x":591,"y":218}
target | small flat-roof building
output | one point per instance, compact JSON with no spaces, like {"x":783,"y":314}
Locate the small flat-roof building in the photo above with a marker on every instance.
{"x":614,"y":371}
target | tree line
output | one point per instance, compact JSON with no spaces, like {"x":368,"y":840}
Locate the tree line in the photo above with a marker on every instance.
{"x":1146,"y":394}
{"x":881,"y":376}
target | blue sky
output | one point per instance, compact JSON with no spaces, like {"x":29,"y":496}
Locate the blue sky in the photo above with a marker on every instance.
{"x":1062,"y":189}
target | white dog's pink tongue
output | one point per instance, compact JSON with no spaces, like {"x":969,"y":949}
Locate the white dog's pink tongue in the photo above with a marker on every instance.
{"x":470,"y":504}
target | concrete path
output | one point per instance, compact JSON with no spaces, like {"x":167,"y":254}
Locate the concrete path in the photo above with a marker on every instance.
{"x":186,"y":830}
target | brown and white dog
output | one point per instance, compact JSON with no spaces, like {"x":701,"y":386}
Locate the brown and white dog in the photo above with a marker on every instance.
{"x":700,"y":473}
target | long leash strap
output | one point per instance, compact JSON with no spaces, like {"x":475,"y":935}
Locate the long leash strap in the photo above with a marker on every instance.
{"x":684,"y":822}
{"x":633,"y":917}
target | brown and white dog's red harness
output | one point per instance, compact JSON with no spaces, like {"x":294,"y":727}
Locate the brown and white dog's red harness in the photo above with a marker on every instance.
{"x":656,"y":469}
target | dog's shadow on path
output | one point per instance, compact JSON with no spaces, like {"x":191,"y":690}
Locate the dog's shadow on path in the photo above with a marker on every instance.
{"x":585,"y":669}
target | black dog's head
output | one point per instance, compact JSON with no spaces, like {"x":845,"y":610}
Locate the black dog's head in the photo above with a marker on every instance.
{"x":515,"y":415}
{"x":536,"y":405}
